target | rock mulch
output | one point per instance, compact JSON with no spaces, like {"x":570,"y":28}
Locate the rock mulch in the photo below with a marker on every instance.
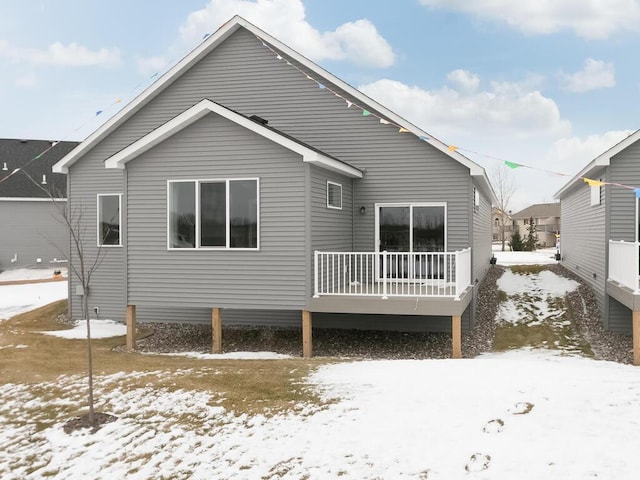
{"x":370,"y":344}
{"x":612,"y":346}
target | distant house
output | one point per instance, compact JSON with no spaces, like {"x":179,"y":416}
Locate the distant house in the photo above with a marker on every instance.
{"x":248,"y":184}
{"x":31,"y":235}
{"x":546,"y":217}
{"x":600,"y":234}
{"x":501,"y":222}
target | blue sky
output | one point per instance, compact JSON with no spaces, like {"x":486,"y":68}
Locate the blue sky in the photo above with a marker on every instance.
{"x":550,"y":85}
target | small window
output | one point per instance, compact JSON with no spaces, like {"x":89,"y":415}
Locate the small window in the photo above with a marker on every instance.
{"x":334,"y":195}
{"x":109,"y":220}
{"x":596,"y":192}
{"x":476,"y":200}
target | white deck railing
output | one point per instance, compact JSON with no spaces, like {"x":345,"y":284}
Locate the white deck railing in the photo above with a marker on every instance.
{"x":623,"y":264}
{"x":392,"y":274}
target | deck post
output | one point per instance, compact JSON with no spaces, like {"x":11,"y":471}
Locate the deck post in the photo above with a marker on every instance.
{"x":216,"y":330}
{"x":307,"y":342}
{"x":456,"y":334}
{"x":636,"y":337}
{"x":131,"y":327}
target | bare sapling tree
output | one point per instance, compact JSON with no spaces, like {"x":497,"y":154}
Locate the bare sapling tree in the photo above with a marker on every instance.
{"x":82,"y":268}
{"x":504,"y":187}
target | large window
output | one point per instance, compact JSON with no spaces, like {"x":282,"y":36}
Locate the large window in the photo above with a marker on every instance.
{"x":213,"y":214}
{"x":109,"y":220}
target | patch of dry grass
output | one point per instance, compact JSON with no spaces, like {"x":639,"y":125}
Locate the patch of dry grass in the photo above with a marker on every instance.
{"x":242,"y":386}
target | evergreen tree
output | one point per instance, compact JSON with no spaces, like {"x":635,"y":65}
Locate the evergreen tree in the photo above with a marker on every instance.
{"x":516,"y":243}
{"x":531,"y":242}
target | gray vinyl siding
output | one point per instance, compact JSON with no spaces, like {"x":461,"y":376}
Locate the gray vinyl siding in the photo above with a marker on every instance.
{"x":481,"y":246}
{"x":215,"y":148}
{"x":32,"y":230}
{"x":624,"y":169}
{"x":583,"y":239}
{"x":107,"y":288}
{"x":331,"y":229}
{"x":243,"y":75}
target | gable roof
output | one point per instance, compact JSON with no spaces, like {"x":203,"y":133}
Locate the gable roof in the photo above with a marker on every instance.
{"x":205,"y":107}
{"x":212,"y":42}
{"x":602,"y":160}
{"x":28,"y":156}
{"x":539,"y":210}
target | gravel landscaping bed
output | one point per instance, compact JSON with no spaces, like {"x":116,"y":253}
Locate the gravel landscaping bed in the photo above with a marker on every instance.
{"x":374,"y":344}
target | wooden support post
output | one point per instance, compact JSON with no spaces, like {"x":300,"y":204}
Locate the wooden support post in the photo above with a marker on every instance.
{"x":216,"y":324}
{"x":307,"y":342}
{"x":456,"y":337}
{"x":131,"y":327}
{"x":636,"y":337}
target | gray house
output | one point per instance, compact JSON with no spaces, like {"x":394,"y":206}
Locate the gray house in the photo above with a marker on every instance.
{"x":249,"y":184}
{"x":31,"y":234}
{"x":600,"y":233}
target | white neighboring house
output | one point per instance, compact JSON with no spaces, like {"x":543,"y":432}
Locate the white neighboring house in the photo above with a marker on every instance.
{"x":545,"y":216}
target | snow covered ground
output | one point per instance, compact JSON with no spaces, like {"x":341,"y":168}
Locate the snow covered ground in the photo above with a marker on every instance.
{"x":543,"y":256}
{"x":15,"y":299}
{"x":525,"y":414}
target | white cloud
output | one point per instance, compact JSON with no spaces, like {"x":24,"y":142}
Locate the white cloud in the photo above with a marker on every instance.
{"x":151,"y":64}
{"x":595,"y":74}
{"x":586,"y":18}
{"x":506,"y":110}
{"x":464,"y":80}
{"x":27,"y":81}
{"x":357,"y":41}
{"x":570,"y":155}
{"x":58,"y":54}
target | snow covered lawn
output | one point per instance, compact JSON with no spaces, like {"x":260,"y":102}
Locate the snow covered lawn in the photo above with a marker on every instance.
{"x":522,"y":414}
{"x":15,"y":299}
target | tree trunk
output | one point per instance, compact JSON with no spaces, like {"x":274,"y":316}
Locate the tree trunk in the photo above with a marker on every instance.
{"x":85,"y":312}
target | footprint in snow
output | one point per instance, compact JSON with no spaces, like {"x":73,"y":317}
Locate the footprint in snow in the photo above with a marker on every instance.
{"x":478,"y":462}
{"x":521,"y":408}
{"x":493,"y":426}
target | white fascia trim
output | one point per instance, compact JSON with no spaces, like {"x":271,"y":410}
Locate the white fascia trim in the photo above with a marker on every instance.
{"x":316,"y":158}
{"x":31,"y":199}
{"x":204,"y":107}
{"x":602,"y":160}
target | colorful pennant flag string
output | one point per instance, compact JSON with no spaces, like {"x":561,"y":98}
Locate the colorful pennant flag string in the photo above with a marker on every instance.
{"x":452,"y":148}
{"x":593,"y":183}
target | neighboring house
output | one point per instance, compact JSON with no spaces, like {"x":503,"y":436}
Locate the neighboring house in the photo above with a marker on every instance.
{"x":501,"y":222}
{"x":31,"y":232}
{"x":600,"y":233}
{"x":546,"y":217}
{"x":251,"y":184}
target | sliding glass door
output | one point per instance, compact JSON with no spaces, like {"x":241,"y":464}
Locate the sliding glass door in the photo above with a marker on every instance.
{"x":404,"y":231}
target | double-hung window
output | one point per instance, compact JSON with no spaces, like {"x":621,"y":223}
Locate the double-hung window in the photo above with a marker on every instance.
{"x":213,"y":214}
{"x":109,"y":220}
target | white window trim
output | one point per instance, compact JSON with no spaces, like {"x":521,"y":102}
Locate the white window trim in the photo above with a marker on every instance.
{"x":409,"y":204}
{"x":596,"y":195}
{"x":329,"y":182}
{"x":197,"y":205}
{"x":476,"y":199}
{"x":98,"y":233}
